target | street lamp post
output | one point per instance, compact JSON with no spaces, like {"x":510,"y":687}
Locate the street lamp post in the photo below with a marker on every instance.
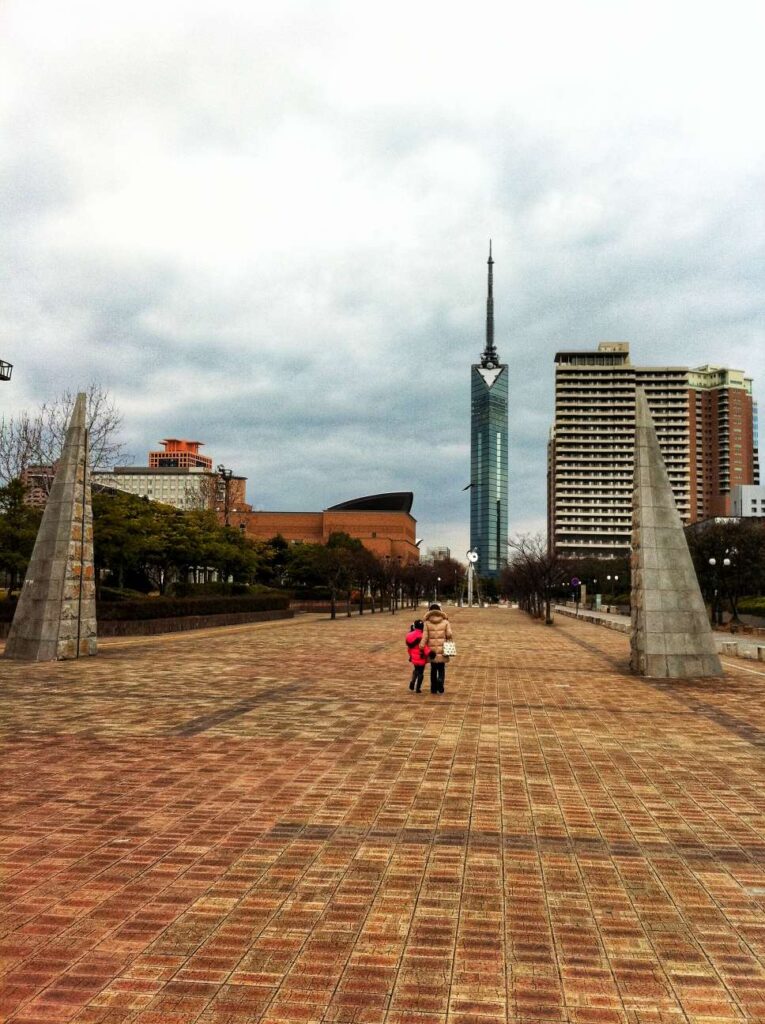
{"x":725,"y":565}
{"x":435,"y":589}
{"x":472,"y":557}
{"x":6,"y":369}
{"x":731,"y":589}
{"x":717,"y":614}
{"x":225,"y":476}
{"x":612,"y":581}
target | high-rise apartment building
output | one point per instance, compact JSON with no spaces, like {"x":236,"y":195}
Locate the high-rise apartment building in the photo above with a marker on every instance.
{"x":756,"y":443}
{"x":488,"y":450}
{"x":722,"y":438}
{"x":701,"y":419}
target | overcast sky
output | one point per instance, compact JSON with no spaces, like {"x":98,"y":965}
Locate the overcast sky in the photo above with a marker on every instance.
{"x":264,"y":225}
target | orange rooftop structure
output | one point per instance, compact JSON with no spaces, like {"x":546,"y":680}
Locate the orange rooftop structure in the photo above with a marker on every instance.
{"x":179,"y":454}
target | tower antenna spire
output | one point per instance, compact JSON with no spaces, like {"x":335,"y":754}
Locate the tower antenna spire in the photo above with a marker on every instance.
{"x":490,"y":354}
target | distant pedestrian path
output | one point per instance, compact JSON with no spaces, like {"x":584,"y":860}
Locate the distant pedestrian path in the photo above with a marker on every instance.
{"x":264,"y":824}
{"x":732,"y":645}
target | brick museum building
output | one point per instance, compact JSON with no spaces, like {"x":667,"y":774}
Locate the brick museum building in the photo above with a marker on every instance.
{"x":382,"y":522}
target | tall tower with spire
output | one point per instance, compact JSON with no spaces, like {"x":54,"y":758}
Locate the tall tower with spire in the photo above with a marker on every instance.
{"x":488,"y":450}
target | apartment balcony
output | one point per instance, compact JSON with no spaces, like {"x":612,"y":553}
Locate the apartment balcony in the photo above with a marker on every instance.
{"x":593,"y":545}
{"x":595,"y":500}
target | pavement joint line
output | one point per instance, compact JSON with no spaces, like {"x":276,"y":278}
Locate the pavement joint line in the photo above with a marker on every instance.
{"x":743,"y":668}
{"x":567,"y":845}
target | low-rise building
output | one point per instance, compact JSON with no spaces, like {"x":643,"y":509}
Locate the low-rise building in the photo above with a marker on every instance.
{"x":382,"y":522}
{"x":37,"y":481}
{"x":180,"y":476}
{"x":436,"y":555}
{"x":747,"y":500}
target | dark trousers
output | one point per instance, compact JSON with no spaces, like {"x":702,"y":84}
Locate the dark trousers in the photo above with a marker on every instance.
{"x":437,"y":676}
{"x":418,"y":671}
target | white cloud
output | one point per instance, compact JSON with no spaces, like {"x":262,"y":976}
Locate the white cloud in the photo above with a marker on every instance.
{"x":265,"y":224}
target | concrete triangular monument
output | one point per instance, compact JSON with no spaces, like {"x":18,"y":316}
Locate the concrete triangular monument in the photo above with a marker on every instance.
{"x":671,"y":635}
{"x":56,"y":614}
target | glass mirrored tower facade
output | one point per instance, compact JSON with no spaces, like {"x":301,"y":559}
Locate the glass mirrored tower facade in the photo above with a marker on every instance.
{"x":488,"y":451}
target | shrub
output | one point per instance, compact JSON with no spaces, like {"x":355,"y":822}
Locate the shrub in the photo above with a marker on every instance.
{"x":175,"y":607}
{"x":121,"y":594}
{"x":7,"y":608}
{"x":311,"y":594}
{"x":216,"y":588}
{"x":752,"y":606}
{"x":127,"y":609}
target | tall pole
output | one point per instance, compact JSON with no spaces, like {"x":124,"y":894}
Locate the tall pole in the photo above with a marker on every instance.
{"x":225,"y":475}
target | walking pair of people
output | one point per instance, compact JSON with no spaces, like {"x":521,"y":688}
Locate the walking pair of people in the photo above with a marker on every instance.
{"x":425,"y":642}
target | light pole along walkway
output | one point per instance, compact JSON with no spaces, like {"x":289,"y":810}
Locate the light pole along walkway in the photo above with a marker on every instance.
{"x":265,"y":824}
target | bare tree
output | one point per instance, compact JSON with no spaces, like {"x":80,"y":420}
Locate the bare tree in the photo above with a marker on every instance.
{"x":19,"y":444}
{"x":533,"y":574}
{"x":36,"y":438}
{"x":203,"y":493}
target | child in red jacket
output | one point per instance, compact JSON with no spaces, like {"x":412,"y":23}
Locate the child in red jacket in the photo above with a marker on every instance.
{"x":418,"y":658}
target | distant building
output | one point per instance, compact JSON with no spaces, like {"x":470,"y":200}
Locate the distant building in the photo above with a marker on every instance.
{"x":756,"y":440}
{"x":722,"y":438}
{"x":37,"y":481}
{"x":186,"y":489}
{"x":437,"y":555}
{"x":704,"y":422}
{"x":488,"y":450}
{"x":179,"y":454}
{"x":179,"y":476}
{"x":702,"y":525}
{"x":747,"y":500}
{"x":382,"y":522}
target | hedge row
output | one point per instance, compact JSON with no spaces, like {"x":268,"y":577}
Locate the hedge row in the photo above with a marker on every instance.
{"x":217,"y":589}
{"x":173,"y":607}
{"x":752,"y":605}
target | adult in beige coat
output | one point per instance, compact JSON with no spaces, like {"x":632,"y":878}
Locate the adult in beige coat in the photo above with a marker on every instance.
{"x":436,"y":628}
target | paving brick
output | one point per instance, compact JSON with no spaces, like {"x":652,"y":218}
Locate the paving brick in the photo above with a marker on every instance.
{"x":262,"y":823}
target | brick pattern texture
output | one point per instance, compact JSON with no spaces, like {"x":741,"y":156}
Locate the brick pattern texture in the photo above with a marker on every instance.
{"x":263,"y":824}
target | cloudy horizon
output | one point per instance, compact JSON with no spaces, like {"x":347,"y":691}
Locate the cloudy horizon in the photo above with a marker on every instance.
{"x":265,"y":226}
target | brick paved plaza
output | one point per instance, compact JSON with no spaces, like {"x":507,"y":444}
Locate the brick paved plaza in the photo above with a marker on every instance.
{"x":263,"y":824}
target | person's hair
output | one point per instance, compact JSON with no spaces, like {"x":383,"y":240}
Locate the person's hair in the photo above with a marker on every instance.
{"x":434,"y":607}
{"x":418,"y":623}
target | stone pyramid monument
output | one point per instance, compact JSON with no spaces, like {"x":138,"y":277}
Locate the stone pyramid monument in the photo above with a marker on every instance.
{"x":671,"y":635}
{"x":56,"y":614}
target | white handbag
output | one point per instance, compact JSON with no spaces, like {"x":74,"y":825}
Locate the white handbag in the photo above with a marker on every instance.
{"x":450,"y":648}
